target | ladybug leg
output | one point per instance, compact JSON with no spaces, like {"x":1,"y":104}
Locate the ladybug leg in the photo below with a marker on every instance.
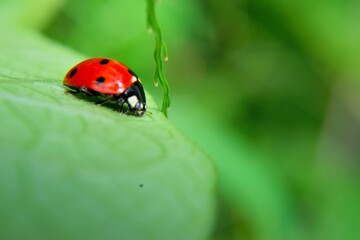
{"x":101,"y":102}
{"x":93,"y":96}
{"x":70,"y":89}
{"x":87,"y":91}
{"x":121,"y":102}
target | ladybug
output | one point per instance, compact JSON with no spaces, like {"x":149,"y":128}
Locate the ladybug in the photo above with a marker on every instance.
{"x":107,"y":80}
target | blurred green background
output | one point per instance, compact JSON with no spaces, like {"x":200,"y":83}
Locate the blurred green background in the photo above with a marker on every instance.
{"x":270,"y":90}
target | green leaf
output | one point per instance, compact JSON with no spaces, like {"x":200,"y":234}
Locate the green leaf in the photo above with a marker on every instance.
{"x":73,"y":170}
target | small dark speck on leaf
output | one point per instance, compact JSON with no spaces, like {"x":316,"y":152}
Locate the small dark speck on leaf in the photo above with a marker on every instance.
{"x":141,"y":185}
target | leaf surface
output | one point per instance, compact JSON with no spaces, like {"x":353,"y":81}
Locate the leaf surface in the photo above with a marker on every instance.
{"x":72,"y":170}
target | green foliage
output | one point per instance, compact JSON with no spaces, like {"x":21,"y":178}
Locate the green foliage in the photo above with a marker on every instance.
{"x":28,"y":13}
{"x":251,"y":188}
{"x":269,"y":89}
{"x":72,"y":170}
{"x":160,"y":55}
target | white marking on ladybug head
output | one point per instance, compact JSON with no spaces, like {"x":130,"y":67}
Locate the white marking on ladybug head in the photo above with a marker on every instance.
{"x":133,"y":79}
{"x":133,"y":100}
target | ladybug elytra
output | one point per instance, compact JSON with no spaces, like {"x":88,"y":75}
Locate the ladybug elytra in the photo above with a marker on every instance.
{"x":107,"y":80}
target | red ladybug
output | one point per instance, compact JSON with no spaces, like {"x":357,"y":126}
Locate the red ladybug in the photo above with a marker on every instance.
{"x":107,"y":80}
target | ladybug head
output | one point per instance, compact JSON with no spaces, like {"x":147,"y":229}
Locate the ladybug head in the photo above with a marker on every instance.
{"x":136,"y":107}
{"x":135,"y":98}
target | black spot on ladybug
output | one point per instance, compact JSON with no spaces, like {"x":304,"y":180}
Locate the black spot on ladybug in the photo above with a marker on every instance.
{"x":104,"y":61}
{"x":100,"y":80}
{"x":132,"y":73}
{"x":73,"y":72}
